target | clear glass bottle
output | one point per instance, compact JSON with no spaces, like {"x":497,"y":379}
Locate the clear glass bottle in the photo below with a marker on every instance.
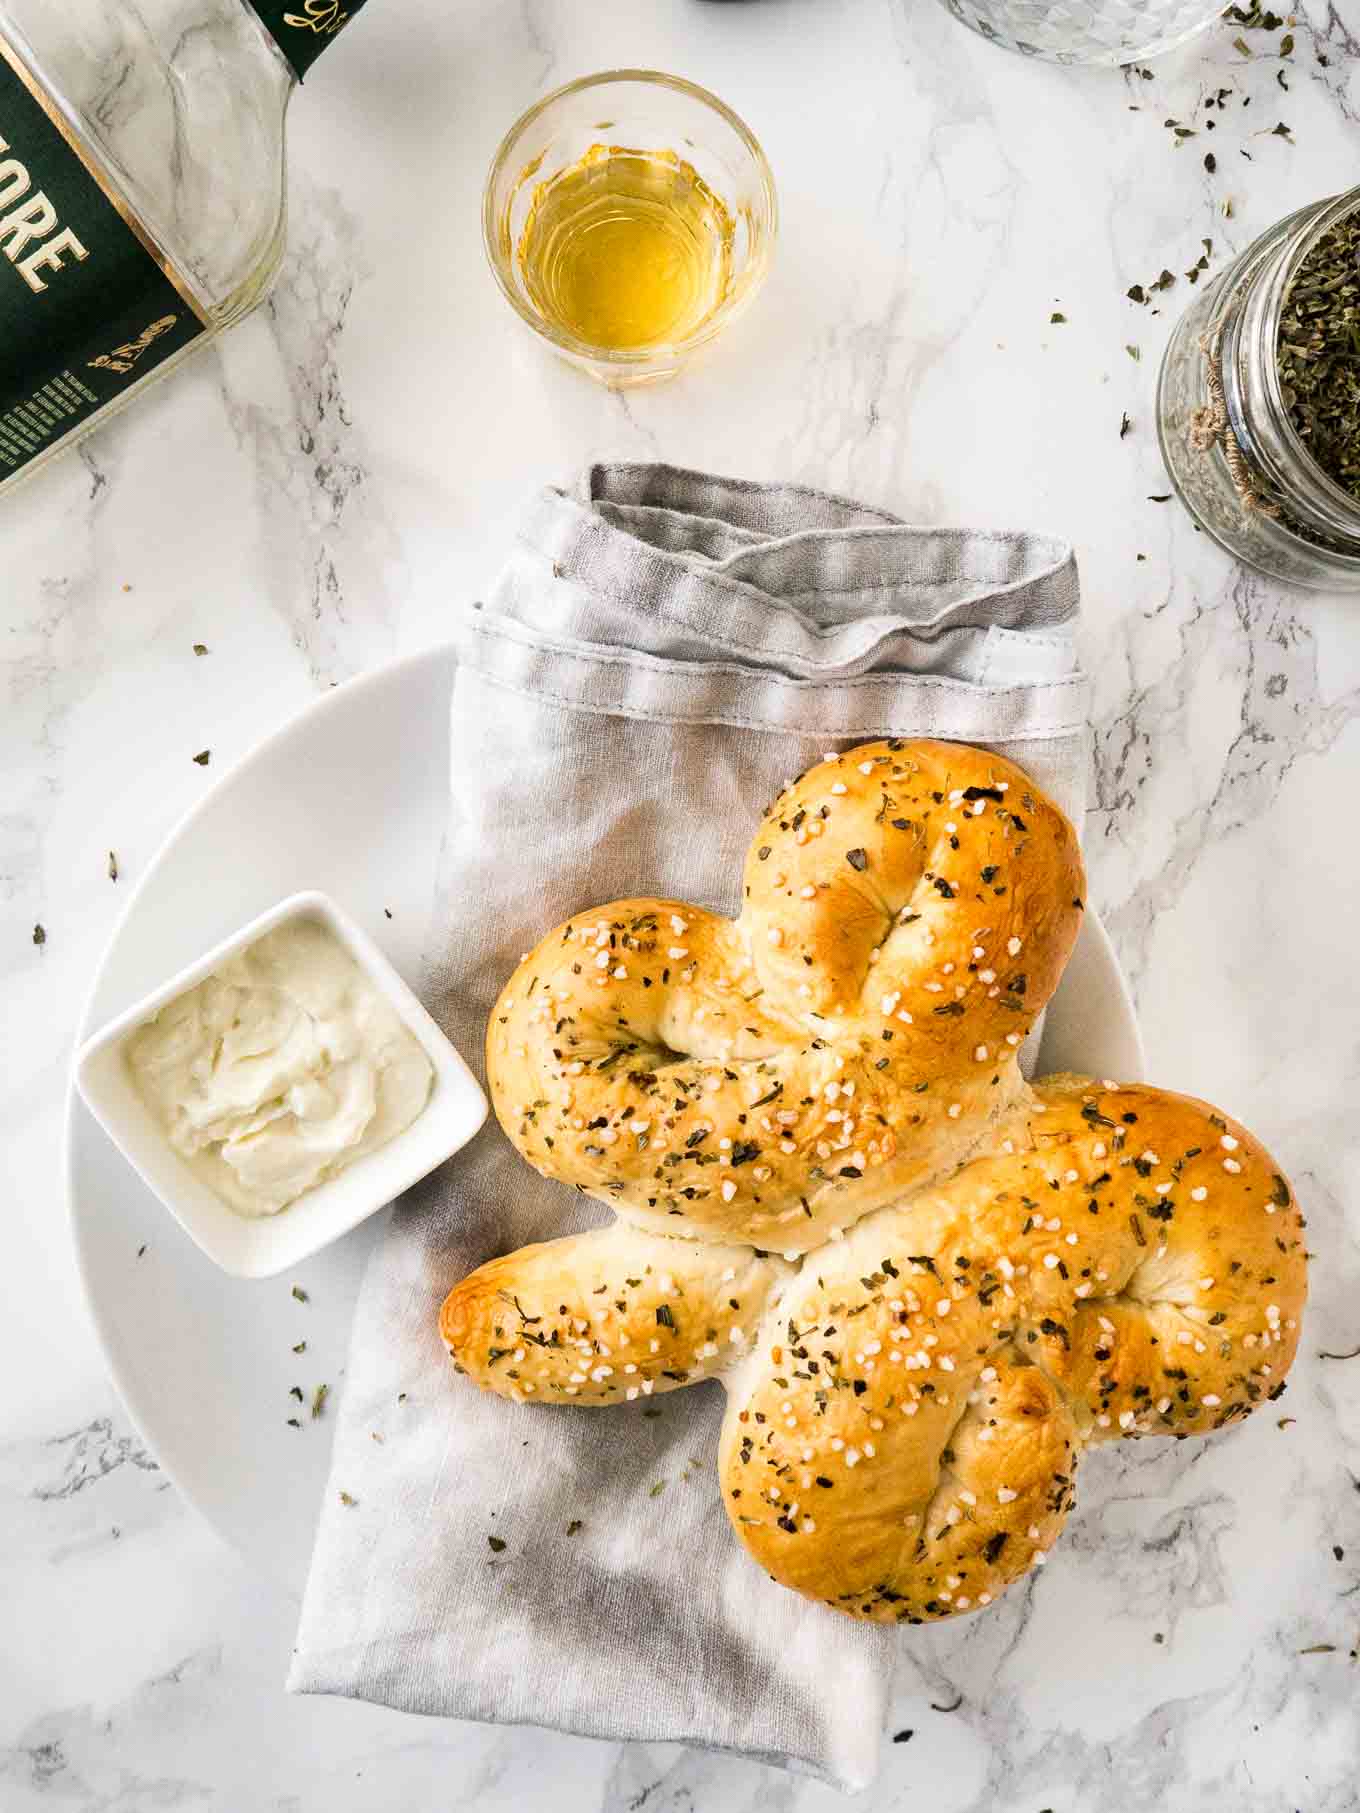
{"x":1230,"y":447}
{"x":142,"y":203}
{"x":1087,"y":31}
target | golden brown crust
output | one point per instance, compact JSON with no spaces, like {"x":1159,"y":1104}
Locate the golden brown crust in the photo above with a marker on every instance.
{"x":605,"y":1317}
{"x":909,"y":909}
{"x":992,"y":1278}
{"x":905,"y":1445}
{"x":931,"y":875}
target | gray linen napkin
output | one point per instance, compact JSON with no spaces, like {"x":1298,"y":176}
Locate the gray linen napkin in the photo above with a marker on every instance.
{"x":662,"y":652}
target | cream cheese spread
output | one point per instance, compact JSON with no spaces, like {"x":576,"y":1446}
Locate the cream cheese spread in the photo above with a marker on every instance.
{"x":279,"y":1069}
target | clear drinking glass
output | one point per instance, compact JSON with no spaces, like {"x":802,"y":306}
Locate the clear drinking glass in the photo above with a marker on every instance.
{"x":1087,"y":31}
{"x":644,"y":110}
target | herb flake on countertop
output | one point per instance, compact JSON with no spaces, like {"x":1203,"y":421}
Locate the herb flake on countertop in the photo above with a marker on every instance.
{"x":40,"y":934}
{"x":113,"y":865}
{"x":300,"y":1294}
{"x":496,"y":1544}
{"x":1254,"y":18}
{"x":319,"y":1397}
{"x":200,"y":648}
{"x":203,"y":757}
{"x":346,"y":1500}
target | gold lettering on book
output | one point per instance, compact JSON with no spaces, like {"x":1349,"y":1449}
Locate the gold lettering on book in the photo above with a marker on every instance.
{"x":324,"y":17}
{"x":33,"y":219}
{"x":123,"y":358}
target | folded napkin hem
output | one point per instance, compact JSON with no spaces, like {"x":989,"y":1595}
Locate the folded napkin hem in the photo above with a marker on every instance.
{"x":615,"y":684}
{"x":616,"y":1729}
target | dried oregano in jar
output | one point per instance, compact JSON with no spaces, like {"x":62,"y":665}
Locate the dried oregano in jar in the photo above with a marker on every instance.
{"x":1259,"y":400}
{"x":1318,"y":352}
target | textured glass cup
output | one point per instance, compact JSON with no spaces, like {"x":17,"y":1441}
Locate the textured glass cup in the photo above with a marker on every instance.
{"x":1225,"y":430}
{"x":642,"y":109}
{"x":1087,"y":31}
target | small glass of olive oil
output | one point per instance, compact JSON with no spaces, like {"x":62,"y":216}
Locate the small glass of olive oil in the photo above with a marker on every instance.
{"x":629,"y":217}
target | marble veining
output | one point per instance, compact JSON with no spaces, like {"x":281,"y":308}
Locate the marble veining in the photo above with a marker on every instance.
{"x":323,"y":535}
{"x":1286,"y":713}
{"x":305,"y":500}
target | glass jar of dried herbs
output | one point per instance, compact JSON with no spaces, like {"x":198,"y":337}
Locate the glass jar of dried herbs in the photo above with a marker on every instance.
{"x":1258,"y":406}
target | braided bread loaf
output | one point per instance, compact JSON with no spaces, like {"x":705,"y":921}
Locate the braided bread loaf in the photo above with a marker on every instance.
{"x":926,"y":1286}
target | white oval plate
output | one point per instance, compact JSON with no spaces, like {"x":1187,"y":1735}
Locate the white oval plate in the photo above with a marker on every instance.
{"x":349,"y":798}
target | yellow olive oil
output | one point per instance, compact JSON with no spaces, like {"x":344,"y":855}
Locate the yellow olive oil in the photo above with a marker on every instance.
{"x":626,"y":249}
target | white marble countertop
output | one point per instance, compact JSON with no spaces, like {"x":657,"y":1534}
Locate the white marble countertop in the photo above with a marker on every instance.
{"x":308,"y":497}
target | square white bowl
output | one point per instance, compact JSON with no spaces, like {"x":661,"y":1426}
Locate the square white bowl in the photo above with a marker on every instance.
{"x":261,"y":1247}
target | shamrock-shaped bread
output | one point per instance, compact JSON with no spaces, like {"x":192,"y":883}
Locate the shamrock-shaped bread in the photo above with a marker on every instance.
{"x":927,"y":1285}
